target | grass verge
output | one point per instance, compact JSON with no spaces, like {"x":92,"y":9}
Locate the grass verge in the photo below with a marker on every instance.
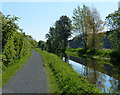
{"x":96,"y":54}
{"x":11,"y":70}
{"x":52,"y":84}
{"x":64,"y":77}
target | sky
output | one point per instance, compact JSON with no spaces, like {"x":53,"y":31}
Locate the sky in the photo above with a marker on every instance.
{"x":37,"y":17}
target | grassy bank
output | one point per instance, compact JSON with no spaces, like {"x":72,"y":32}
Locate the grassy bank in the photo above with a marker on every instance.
{"x":97,"y":54}
{"x":106,"y":56}
{"x":63,"y":76}
{"x":11,"y":70}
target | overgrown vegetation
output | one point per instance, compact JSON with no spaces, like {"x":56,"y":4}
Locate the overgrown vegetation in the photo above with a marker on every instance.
{"x":16,"y":46}
{"x":68,"y":80}
{"x":113,"y":24}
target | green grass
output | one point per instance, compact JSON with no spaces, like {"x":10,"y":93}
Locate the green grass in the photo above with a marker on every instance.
{"x":52,"y":84}
{"x":97,"y":54}
{"x":63,"y":78}
{"x":11,"y":70}
{"x":101,"y":56}
{"x":75,"y":54}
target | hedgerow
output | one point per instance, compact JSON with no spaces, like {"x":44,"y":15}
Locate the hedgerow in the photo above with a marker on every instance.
{"x":15,"y":44}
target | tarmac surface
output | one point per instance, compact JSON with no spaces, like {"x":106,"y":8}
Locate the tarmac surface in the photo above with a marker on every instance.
{"x":29,"y":79}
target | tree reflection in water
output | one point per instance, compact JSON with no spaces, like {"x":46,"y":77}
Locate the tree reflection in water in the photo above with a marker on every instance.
{"x":105,"y":77}
{"x":93,"y":76}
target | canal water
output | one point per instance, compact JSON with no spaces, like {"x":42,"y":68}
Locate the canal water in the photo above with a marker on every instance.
{"x":104,"y":76}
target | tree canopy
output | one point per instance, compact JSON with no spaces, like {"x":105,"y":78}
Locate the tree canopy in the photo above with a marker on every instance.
{"x":87,"y":22}
{"x":57,"y":38}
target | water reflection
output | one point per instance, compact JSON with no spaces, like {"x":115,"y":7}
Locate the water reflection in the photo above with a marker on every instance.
{"x":103,"y":76}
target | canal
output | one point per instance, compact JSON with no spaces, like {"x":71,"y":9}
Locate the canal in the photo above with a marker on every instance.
{"x":98,"y":72}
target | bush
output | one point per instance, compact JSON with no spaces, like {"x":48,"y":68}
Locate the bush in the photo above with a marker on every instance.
{"x":15,"y":44}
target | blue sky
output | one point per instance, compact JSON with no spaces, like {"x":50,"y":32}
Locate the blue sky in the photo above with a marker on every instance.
{"x":37,"y":17}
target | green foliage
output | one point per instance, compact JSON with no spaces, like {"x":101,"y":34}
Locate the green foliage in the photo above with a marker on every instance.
{"x":8,"y":28}
{"x":57,"y":38}
{"x":42,"y":45}
{"x":15,"y":44}
{"x":9,"y":52}
{"x":68,"y":80}
{"x":88,"y":24}
{"x":74,"y":50}
{"x":113,"y":23}
{"x":32,"y":42}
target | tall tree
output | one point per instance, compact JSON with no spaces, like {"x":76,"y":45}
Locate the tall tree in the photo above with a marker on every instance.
{"x":88,"y":23}
{"x":63,"y":28}
{"x":52,"y":40}
{"x":77,"y":20}
{"x":96,"y":27}
{"x":81,"y":18}
{"x":57,"y":38}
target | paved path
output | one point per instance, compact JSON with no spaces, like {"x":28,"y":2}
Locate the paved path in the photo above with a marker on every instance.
{"x":29,"y":79}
